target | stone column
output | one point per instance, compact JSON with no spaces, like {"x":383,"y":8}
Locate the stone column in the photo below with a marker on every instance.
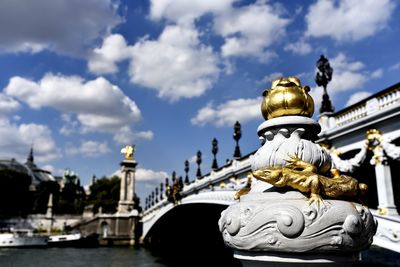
{"x":385,"y":189}
{"x":383,"y":174}
{"x":127,"y":191}
{"x":383,"y":182}
{"x":301,"y":221}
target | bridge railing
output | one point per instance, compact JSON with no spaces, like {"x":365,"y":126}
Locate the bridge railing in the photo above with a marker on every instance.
{"x":228,"y":177}
{"x":372,"y":106}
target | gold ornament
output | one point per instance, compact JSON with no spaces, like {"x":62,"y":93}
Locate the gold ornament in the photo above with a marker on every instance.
{"x":287,"y":98}
{"x":128,"y":151}
{"x":303,"y":177}
{"x":374,"y":138}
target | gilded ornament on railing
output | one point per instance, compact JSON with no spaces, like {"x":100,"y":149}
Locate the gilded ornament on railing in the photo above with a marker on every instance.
{"x":128,"y":151}
{"x":374,"y":138}
{"x":303,"y":176}
{"x":287,"y":98}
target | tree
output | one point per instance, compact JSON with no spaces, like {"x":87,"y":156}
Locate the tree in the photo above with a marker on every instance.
{"x":41,"y":199}
{"x":104,"y":193}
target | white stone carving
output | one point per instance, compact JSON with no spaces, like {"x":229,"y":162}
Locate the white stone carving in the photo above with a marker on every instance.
{"x":287,"y":223}
{"x":290,"y":136}
{"x":349,"y":165}
{"x":391,"y":150}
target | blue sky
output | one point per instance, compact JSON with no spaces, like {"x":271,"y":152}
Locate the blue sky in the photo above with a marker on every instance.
{"x":80,"y":79}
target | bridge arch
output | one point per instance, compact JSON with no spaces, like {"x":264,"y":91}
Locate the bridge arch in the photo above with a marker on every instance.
{"x":185,"y":229}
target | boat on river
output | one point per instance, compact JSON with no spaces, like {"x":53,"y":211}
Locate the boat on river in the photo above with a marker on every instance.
{"x":73,"y":240}
{"x":22,"y":238}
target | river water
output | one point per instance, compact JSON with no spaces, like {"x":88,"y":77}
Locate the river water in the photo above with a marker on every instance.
{"x":135,"y":257}
{"x":79,"y":257}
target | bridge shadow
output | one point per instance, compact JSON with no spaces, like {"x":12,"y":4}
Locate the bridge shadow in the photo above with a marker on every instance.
{"x":188,"y":235}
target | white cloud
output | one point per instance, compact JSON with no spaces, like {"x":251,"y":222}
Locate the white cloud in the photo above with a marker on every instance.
{"x":8,"y":104}
{"x":89,"y":148}
{"x":16,"y":141}
{"x":270,"y":77}
{"x":113,"y":50}
{"x":126,"y":136}
{"x":377,"y":73}
{"x":357,"y":96}
{"x":63,"y":26}
{"x":176,"y":65}
{"x":226,"y":114}
{"x":347,"y":75}
{"x":348,"y":20}
{"x":301,"y":47}
{"x":146,"y":175}
{"x":70,"y":125}
{"x":97,"y":104}
{"x":250,"y":30}
{"x":247,"y":30}
{"x":395,"y":66}
{"x":183,"y":11}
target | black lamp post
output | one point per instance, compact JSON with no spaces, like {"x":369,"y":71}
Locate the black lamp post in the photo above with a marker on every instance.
{"x":237,"y":134}
{"x":323,"y":77}
{"x":214,"y":150}
{"x":198,"y":161}
{"x":161,"y":190}
{"x":187,"y":171}
{"x":167,"y":187}
{"x":173,"y":177}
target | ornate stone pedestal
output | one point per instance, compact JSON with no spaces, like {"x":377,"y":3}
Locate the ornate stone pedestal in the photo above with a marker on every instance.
{"x":285,"y":227}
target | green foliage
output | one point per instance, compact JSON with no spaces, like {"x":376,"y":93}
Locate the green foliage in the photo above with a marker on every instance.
{"x":72,"y":199}
{"x":104,"y":193}
{"x":43,"y":191}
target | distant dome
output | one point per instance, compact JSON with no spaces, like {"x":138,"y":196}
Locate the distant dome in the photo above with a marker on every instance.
{"x":29,"y":168}
{"x":13,"y":165}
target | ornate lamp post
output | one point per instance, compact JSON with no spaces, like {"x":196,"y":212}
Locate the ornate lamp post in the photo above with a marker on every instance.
{"x":156,"y":194}
{"x":152,"y":198}
{"x":161,"y":190}
{"x":214,"y":150}
{"x":237,"y":134}
{"x":187,"y":171}
{"x":198,"y":161}
{"x":173,"y":177}
{"x":167,"y":187}
{"x":323,"y":77}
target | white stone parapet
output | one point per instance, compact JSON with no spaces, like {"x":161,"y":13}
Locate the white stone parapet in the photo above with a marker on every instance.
{"x":365,"y":110}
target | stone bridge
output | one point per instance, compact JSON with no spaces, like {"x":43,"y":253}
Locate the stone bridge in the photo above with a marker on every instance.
{"x":344,"y":134}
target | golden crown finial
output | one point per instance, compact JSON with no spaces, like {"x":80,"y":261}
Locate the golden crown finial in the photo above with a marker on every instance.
{"x":287,"y":98}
